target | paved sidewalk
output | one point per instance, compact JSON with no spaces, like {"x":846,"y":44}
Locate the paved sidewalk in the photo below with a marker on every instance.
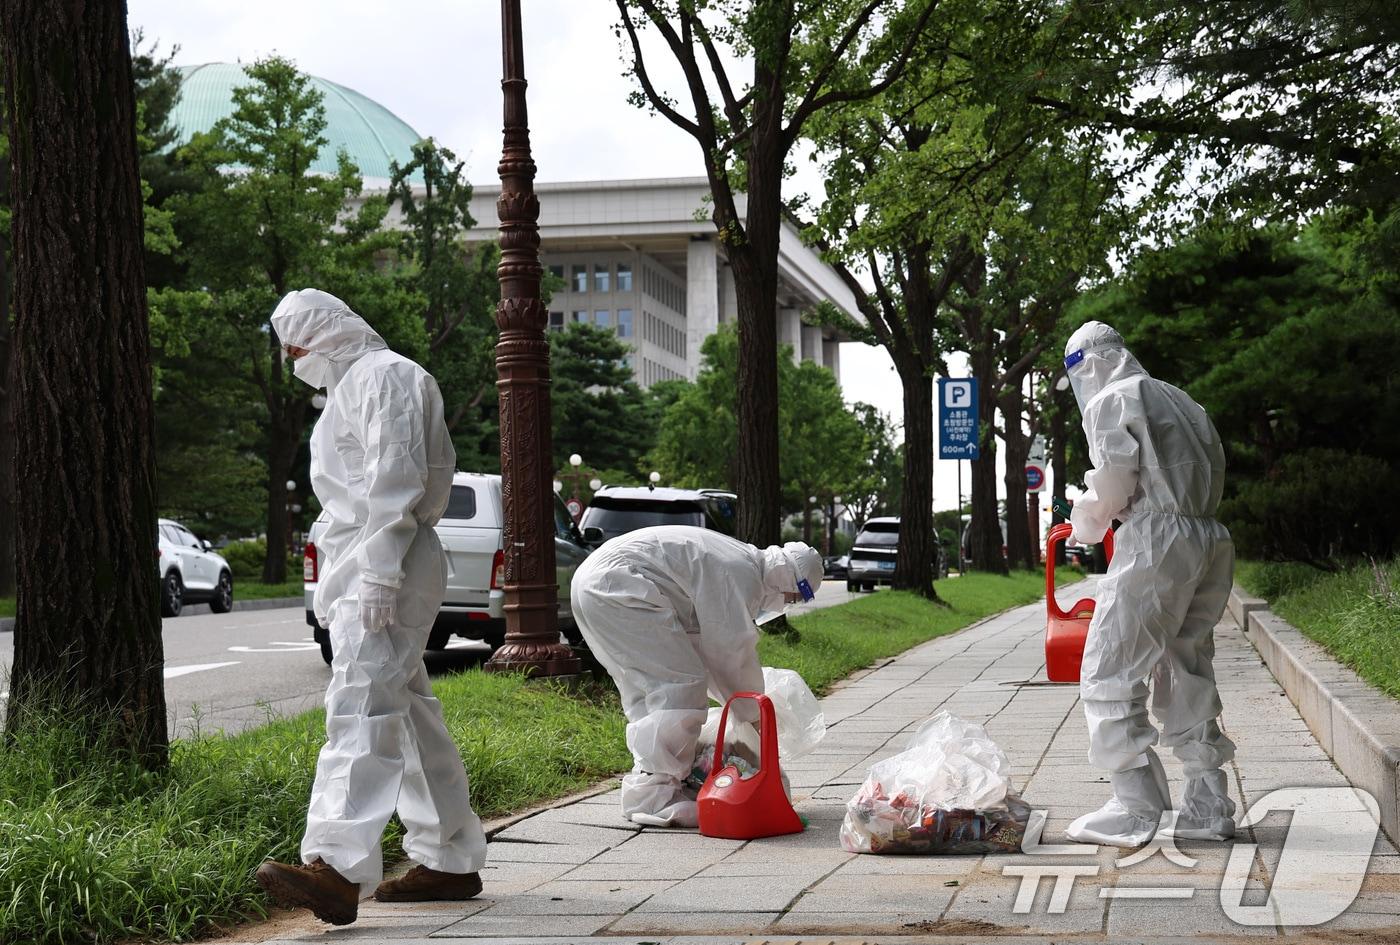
{"x":580,"y":872}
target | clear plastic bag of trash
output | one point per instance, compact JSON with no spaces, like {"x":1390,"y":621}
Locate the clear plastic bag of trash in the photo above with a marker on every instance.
{"x":801,"y":727}
{"x":948,"y":792}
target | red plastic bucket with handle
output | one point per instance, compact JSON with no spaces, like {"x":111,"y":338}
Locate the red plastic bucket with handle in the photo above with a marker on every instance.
{"x":1066,"y":630}
{"x":739,"y":808}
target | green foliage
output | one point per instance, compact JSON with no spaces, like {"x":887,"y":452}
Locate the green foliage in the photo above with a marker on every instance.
{"x":245,"y":559}
{"x":822,"y":446}
{"x":599,"y":411}
{"x":1353,"y":613}
{"x":875,"y":487}
{"x":457,"y":291}
{"x":93,"y":849}
{"x":1288,"y":341}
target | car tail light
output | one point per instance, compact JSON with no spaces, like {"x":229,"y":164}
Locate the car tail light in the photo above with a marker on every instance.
{"x":498,"y":571}
{"x":310,"y":567}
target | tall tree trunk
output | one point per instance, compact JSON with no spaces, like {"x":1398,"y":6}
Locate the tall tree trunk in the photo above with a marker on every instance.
{"x":7,"y":431}
{"x":987,"y":538}
{"x":915,"y":562}
{"x":88,"y":626}
{"x":281,"y":455}
{"x":1019,"y":553}
{"x":806,"y":523}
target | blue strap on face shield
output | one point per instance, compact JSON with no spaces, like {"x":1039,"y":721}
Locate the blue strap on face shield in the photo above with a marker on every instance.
{"x":1074,"y":359}
{"x":805,"y":589}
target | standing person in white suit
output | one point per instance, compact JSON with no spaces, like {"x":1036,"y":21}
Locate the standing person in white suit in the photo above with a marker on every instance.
{"x":381,"y":465}
{"x":1159,"y":468}
{"x":669,"y":612}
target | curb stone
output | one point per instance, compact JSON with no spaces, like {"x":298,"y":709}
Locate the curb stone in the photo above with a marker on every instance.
{"x":1355,"y":723}
{"x":7,"y":624}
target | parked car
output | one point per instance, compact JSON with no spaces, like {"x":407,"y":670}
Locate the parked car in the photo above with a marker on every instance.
{"x":190,"y":573}
{"x":835,"y":567}
{"x":470,"y":532}
{"x":967,"y":540}
{"x":617,"y":510}
{"x":875,"y":551}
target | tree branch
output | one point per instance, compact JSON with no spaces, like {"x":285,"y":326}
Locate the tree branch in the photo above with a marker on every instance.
{"x":639,"y":65}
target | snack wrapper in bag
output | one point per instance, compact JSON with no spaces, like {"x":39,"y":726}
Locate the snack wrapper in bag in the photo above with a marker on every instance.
{"x":948,"y":792}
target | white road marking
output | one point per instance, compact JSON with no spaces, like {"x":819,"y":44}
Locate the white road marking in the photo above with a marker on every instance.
{"x":265,"y":623}
{"x":278,"y":646}
{"x":174,"y":671}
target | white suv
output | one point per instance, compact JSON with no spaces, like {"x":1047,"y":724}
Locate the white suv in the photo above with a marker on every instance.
{"x":470,"y":532}
{"x":189,"y":572}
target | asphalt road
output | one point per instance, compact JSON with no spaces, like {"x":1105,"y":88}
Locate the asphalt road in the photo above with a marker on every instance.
{"x":233,"y":671}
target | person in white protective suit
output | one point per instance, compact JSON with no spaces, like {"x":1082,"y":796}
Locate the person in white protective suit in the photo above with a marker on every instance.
{"x":1158,"y":468}
{"x":382,"y":465}
{"x":669,"y":612}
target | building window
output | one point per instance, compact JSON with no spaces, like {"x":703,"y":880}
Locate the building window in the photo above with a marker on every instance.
{"x":602,"y":278}
{"x":580,"y":318}
{"x":624,"y":277}
{"x":624,"y":323}
{"x":557,"y":271}
{"x":556,"y":321}
{"x":602,"y":318}
{"x":580,"y":278}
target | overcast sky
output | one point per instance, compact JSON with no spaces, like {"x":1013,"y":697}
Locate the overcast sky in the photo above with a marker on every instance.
{"x":437,"y":65}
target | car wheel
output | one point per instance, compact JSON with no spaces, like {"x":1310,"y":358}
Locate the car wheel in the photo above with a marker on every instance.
{"x":870,"y":587}
{"x":222,"y":601}
{"x":437,"y":639}
{"x":172,"y":595}
{"x":852,"y":587}
{"x":326,"y":652}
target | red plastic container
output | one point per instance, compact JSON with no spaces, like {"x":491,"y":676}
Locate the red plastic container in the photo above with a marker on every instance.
{"x":1066,"y":631}
{"x":738,"y":808}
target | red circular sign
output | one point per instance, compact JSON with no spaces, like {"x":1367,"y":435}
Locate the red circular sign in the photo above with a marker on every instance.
{"x":1035,"y":478}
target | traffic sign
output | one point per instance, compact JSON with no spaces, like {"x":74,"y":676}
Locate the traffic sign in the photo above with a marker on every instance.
{"x":957,"y":418}
{"x":1035,"y":478}
{"x":575,"y":508}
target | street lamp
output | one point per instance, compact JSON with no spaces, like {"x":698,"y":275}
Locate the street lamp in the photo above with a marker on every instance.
{"x":532,"y":642}
{"x":595,"y":484}
{"x":654,"y":478}
{"x":558,"y":486}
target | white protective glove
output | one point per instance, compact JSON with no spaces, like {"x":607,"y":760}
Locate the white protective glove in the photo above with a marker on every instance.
{"x":378,"y":606}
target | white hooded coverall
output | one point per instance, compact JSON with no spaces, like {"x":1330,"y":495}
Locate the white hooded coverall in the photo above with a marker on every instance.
{"x":1159,"y":468}
{"x":669,"y":612}
{"x":381,"y":465}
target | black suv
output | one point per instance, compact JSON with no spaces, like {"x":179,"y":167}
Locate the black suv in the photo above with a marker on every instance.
{"x":617,"y":510}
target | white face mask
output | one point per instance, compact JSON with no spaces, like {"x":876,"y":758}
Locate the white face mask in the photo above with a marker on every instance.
{"x":314,"y":369}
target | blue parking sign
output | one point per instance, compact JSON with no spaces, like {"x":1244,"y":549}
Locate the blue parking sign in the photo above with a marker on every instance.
{"x":957,"y":418}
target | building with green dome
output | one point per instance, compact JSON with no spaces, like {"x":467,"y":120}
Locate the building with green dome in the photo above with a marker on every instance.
{"x":372,"y":135}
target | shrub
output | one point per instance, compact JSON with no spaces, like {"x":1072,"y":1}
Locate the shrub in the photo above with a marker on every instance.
{"x":1316,"y":506}
{"x":245,"y":559}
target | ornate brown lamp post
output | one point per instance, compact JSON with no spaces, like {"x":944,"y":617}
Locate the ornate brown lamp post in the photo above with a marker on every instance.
{"x":522,"y":367}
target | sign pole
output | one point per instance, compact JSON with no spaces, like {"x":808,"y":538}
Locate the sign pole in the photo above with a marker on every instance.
{"x":958,"y":463}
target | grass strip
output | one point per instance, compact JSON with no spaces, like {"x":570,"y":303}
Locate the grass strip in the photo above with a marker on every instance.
{"x":93,"y":850}
{"x":839,"y":640}
{"x":242,"y":590}
{"x":1354,"y":613}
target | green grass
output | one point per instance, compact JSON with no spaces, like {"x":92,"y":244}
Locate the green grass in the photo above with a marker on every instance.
{"x":1353,"y":613}
{"x":247,"y":590}
{"x":94,"y":850}
{"x":839,"y":640}
{"x":242,"y":590}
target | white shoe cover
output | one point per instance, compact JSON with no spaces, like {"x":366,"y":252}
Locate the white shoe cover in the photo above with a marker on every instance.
{"x":1206,"y":812}
{"x":1131,"y":816}
{"x":680,"y":814}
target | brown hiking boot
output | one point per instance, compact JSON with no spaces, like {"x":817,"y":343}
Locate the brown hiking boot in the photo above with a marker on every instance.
{"x":421,"y":884}
{"x":315,"y":886}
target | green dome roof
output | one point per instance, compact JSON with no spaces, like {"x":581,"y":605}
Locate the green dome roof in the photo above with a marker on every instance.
{"x":370,"y":133}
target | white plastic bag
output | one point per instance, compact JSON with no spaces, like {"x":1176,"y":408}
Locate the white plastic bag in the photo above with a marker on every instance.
{"x":801,"y":727}
{"x":948,"y":792}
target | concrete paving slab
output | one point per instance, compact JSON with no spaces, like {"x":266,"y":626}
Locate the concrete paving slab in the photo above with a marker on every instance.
{"x":486,"y":925}
{"x":739,"y":924}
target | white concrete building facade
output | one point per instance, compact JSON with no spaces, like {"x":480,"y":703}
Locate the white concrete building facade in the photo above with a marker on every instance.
{"x":641,"y":258}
